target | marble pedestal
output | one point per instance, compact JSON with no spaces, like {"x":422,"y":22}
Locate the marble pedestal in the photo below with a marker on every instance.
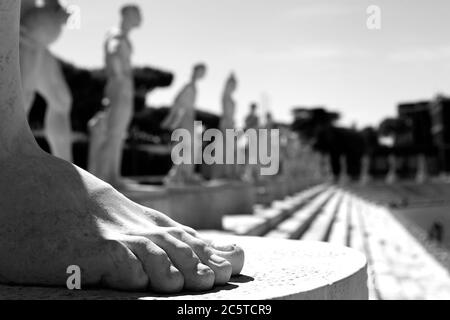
{"x":200,"y":207}
{"x":274,"y":270}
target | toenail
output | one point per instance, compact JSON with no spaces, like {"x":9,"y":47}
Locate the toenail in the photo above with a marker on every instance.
{"x":217,"y":260}
{"x":203,"y":270}
{"x":228,"y":247}
{"x":174,"y":272}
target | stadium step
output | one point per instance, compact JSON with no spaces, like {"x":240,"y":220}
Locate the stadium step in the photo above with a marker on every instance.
{"x":340,"y":232}
{"x":265,"y":219}
{"x":295,"y":226}
{"x":319,"y":229}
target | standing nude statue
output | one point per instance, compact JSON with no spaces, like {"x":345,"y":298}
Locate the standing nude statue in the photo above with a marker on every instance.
{"x":109,"y":128}
{"x":182,"y":116}
{"x":422,"y":169}
{"x":228,"y":104}
{"x":228,"y":171}
{"x":41,"y":72}
{"x":365,"y":178}
{"x":392,"y":177}
{"x":344,"y":177}
{"x":55,"y":215}
{"x":252,"y":173}
{"x":272,"y":143}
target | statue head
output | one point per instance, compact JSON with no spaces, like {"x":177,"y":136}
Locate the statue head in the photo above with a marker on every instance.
{"x":131,"y":17}
{"x":253,"y":107}
{"x":199,"y":72}
{"x":45,"y":20}
{"x":231,"y":84}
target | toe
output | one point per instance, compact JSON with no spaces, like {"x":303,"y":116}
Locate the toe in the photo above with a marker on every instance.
{"x":231,"y":252}
{"x":123,"y":270}
{"x":222,"y":269}
{"x":164,"y":277}
{"x":197,"y":276}
{"x":236,"y":257}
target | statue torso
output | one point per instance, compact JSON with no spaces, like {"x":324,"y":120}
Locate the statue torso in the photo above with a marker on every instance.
{"x":252,"y":122}
{"x":185,"y":101}
{"x":229,"y":109}
{"x":187,"y":97}
{"x":118,"y":46}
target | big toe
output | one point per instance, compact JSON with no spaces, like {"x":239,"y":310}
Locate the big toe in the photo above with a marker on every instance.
{"x":234,"y":254}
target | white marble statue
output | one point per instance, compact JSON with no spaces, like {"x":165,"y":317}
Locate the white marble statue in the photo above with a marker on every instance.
{"x":365,"y":178}
{"x":109,"y":128}
{"x":392,"y":177}
{"x":344,"y":177}
{"x":227,"y":122}
{"x":228,"y":104}
{"x":272,"y":142}
{"x":252,"y":171}
{"x":182,"y":116}
{"x":41,"y":25}
{"x":422,"y":169}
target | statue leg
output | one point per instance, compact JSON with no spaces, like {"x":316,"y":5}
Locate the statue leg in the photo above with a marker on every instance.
{"x":110,"y":131}
{"x":98,"y":137}
{"x":188,"y":169}
{"x":184,"y":174}
{"x":53,"y":87}
{"x":119,"y":118}
{"x":116,"y":149}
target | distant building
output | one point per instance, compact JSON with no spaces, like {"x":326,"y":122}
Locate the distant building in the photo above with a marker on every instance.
{"x":417,"y":116}
{"x":440,"y":114}
{"x":417,"y":139}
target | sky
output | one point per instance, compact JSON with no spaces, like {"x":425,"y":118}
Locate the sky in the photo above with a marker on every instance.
{"x":285,"y":53}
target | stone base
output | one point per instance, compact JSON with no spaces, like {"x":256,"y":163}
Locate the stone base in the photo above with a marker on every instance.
{"x":200,"y":207}
{"x":274,"y":270}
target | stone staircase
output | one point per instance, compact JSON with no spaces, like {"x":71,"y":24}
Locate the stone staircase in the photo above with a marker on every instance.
{"x":399,"y":266}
